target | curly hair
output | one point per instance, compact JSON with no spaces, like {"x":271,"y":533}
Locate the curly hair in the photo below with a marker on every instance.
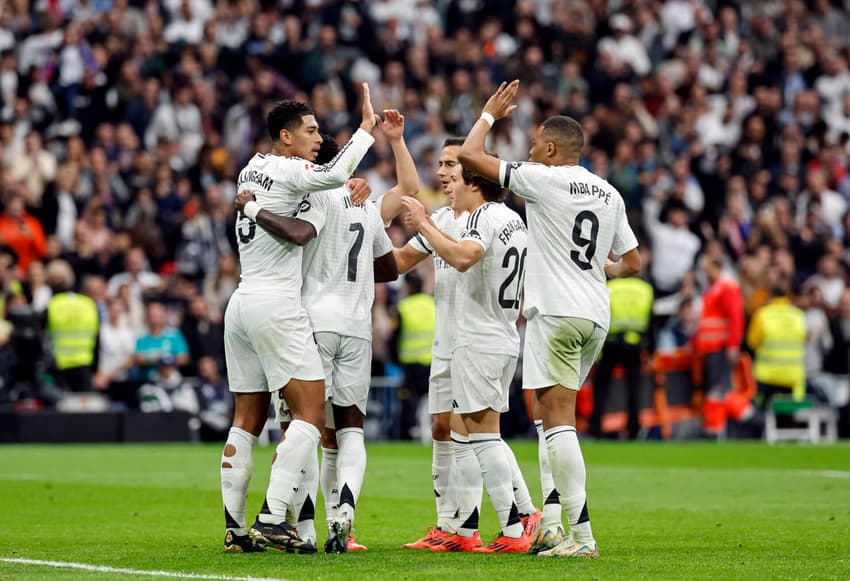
{"x":287,"y":115}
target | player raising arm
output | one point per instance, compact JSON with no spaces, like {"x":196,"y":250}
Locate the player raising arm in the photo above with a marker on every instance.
{"x":575,"y":220}
{"x":268,"y":338}
{"x":491,"y":257}
{"x":350,"y":253}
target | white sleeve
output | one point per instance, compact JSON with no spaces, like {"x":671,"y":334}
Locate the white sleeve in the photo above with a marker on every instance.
{"x":420,"y":244}
{"x":304,"y":176}
{"x":379,"y":203}
{"x":624,"y":238}
{"x":480,"y":227}
{"x":314,"y":209}
{"x":523,"y":178}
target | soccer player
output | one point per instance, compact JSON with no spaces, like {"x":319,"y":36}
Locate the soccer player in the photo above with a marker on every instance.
{"x":268,"y":338}
{"x":575,"y":221}
{"x":490,"y":254}
{"x":444,"y":464}
{"x":350,"y":252}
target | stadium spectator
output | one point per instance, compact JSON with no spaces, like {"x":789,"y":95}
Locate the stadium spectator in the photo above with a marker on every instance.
{"x":204,"y":336}
{"x":116,"y":346}
{"x":72,"y":326}
{"x":159,"y":342}
{"x":21,"y":232}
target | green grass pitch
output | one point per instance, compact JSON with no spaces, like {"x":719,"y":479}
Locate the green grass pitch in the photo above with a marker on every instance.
{"x":659,"y":511}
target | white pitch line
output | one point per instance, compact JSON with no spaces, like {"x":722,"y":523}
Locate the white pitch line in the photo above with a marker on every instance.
{"x":140,"y":572}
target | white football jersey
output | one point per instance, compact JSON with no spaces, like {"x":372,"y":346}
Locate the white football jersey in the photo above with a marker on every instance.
{"x":575,"y":219}
{"x":270,"y":265}
{"x":339,"y":275}
{"x":489,"y":293}
{"x":445,"y":281}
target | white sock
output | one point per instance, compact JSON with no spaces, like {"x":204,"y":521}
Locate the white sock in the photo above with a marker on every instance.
{"x":444,"y":476}
{"x":551,"y":500}
{"x":236,"y":478}
{"x":351,"y":468}
{"x":496,"y":472}
{"x":570,"y":478}
{"x":304,"y":505}
{"x":469,"y":483}
{"x":296,"y":456}
{"x":521,"y":494}
{"x":330,"y":490}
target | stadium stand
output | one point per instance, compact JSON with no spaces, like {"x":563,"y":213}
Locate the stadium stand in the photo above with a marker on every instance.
{"x":725,"y":125}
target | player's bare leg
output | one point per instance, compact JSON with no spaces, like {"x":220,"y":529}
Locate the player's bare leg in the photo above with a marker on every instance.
{"x":237,"y":467}
{"x":486,"y":440}
{"x":558,"y":410}
{"x":295,"y":457}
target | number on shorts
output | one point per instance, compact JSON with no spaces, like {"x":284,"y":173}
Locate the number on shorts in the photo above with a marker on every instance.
{"x":245,"y":236}
{"x":589,"y":243}
{"x":354,"y":253}
{"x":517,"y":272}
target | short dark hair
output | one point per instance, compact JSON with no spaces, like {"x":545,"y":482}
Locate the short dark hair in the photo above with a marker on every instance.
{"x":491,"y":191}
{"x":328,"y":150}
{"x":451,"y":141}
{"x":287,"y":115}
{"x":565,"y":132}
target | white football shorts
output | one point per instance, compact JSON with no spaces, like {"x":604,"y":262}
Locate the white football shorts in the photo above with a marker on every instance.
{"x":440,"y":386}
{"x":347,"y":362}
{"x":560,"y":350}
{"x":483,"y":380}
{"x":268,"y":341}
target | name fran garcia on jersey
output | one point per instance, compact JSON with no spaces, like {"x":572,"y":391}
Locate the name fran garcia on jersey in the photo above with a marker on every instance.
{"x":511,"y":227}
{"x":582,"y":189}
{"x":255,"y":177}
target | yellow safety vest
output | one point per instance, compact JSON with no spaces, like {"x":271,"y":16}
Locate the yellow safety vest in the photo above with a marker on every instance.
{"x":72,"y":325}
{"x":631,"y":308}
{"x":417,"y":329}
{"x":780,"y":355}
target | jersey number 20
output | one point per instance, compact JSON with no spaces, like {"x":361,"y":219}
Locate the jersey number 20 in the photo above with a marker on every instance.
{"x":517,"y":271}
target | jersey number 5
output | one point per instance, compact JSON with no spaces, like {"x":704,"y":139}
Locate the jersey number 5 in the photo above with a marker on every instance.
{"x":584,"y":262}
{"x":354,"y":253}
{"x":517,"y":271}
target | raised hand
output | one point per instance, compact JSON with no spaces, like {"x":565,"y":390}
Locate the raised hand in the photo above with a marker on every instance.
{"x":499,"y":104}
{"x":360,"y":190}
{"x":243,"y":198}
{"x":369,"y":118}
{"x":416,"y":214}
{"x":392,"y":125}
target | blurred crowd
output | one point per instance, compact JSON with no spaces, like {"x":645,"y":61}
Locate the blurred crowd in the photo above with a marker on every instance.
{"x":725,"y":125}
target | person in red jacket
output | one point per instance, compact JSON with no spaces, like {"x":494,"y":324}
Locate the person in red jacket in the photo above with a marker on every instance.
{"x":717,"y":341}
{"x":22,"y":232}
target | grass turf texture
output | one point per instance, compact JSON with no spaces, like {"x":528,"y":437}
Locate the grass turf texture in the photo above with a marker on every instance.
{"x":659,"y":511}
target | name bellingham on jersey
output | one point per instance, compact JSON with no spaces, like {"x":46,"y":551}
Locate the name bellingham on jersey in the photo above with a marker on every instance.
{"x":255,"y":177}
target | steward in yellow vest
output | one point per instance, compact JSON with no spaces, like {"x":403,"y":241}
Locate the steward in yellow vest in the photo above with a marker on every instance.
{"x":72,"y":327}
{"x":414,"y":337}
{"x":628,"y":334}
{"x":777,"y":335}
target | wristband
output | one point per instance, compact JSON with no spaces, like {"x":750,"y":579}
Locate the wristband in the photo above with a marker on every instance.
{"x":251,"y":210}
{"x":488,"y":118}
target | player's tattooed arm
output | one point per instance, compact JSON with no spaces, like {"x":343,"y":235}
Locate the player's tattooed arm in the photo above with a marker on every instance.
{"x":405,"y":167}
{"x":386,"y":268}
{"x":461,"y":255}
{"x":298,"y":232}
{"x":472,"y":154}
